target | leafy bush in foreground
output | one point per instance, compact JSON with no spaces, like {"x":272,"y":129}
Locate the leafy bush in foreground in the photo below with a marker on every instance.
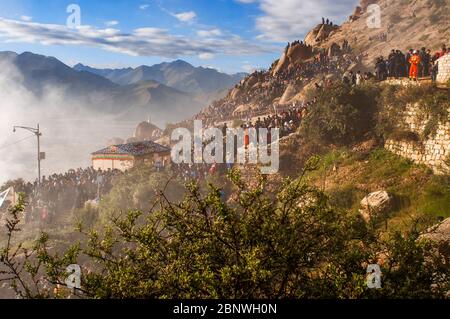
{"x":251,"y":244}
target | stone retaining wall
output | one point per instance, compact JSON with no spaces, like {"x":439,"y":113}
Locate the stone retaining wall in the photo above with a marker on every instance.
{"x":444,"y":69}
{"x":433,"y":152}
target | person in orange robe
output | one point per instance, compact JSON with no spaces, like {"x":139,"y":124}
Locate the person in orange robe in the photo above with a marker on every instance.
{"x":414,"y":61}
{"x":246,"y":138}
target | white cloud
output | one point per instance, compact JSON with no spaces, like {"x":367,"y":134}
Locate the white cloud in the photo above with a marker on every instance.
{"x":185,"y":16}
{"x":140,"y":42}
{"x":209,"y":33}
{"x":144,"y":6}
{"x":111,"y":23}
{"x":248,"y":68}
{"x":206,"y":56}
{"x":288,"y":20}
{"x":26,"y":18}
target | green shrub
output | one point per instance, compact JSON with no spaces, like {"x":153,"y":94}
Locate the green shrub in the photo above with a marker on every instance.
{"x":342,"y":115}
{"x":435,"y":199}
{"x":137,"y":189}
{"x":435,"y":103}
{"x":344,"y":197}
{"x":87,"y":216}
{"x":252,"y":247}
{"x":386,"y":164}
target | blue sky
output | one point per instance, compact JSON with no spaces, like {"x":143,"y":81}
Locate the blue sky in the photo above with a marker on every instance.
{"x":230,"y":35}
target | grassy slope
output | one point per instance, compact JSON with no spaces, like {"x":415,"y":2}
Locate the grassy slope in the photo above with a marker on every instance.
{"x":417,"y":192}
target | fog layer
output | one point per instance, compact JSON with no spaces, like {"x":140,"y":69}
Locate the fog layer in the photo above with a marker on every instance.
{"x":71,"y":130}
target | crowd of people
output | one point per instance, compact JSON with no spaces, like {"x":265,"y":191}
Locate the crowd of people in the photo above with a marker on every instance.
{"x":197,"y":172}
{"x":327,"y":22}
{"x":287,"y":121}
{"x":64,"y":192}
{"x":357,"y":78}
{"x":413,"y":64}
{"x":266,"y":86}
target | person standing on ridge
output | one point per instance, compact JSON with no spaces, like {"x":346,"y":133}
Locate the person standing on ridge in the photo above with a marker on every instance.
{"x":408,"y":56}
{"x":414,"y":69}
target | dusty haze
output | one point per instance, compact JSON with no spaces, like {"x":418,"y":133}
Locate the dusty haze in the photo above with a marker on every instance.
{"x":71,"y":131}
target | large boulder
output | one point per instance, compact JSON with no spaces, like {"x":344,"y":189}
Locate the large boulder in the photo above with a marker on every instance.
{"x":323,"y":33}
{"x":145,"y":131}
{"x":294,"y":54}
{"x":283,"y":63}
{"x":252,"y":80}
{"x":299,"y":52}
{"x":319,"y":34}
{"x":310,"y":38}
{"x":334,"y":50}
{"x":235,"y":93}
{"x":439,"y":232}
{"x":358,"y":11}
{"x":356,"y":14}
{"x":288,"y":94}
{"x":375,"y":205}
{"x":440,"y":236}
{"x":244,"y":108}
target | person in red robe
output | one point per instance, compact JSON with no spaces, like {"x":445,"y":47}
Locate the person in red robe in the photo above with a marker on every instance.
{"x":213,"y":169}
{"x":414,"y":61}
{"x":246,"y":138}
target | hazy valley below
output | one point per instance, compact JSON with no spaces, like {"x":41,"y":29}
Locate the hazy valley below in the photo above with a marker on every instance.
{"x":80,"y":109}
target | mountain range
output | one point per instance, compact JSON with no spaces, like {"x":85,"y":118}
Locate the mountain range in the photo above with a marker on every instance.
{"x":167,"y":92}
{"x":178,"y":74}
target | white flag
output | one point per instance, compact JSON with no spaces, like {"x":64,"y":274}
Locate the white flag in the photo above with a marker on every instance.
{"x":3,"y":196}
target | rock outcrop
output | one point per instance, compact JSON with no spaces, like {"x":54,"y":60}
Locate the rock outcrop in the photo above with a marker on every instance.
{"x":356,"y":14}
{"x":319,"y":34}
{"x":334,"y":50}
{"x":375,"y":204}
{"x":146,"y":131}
{"x":371,"y":42}
{"x":439,"y":233}
{"x":288,"y":94}
{"x":295,"y":53}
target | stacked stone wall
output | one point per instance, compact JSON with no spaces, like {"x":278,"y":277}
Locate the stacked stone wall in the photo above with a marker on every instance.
{"x":433,"y":152}
{"x":444,"y":69}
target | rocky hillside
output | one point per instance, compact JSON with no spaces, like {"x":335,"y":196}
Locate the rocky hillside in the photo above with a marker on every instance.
{"x":354,"y":45}
{"x":404,"y":24}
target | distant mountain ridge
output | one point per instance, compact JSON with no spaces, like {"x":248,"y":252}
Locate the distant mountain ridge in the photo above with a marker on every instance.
{"x":39,"y":71}
{"x":40,"y":74}
{"x":178,"y":74}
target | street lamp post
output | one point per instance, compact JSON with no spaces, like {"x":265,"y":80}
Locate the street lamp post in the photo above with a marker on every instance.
{"x":38,"y":134}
